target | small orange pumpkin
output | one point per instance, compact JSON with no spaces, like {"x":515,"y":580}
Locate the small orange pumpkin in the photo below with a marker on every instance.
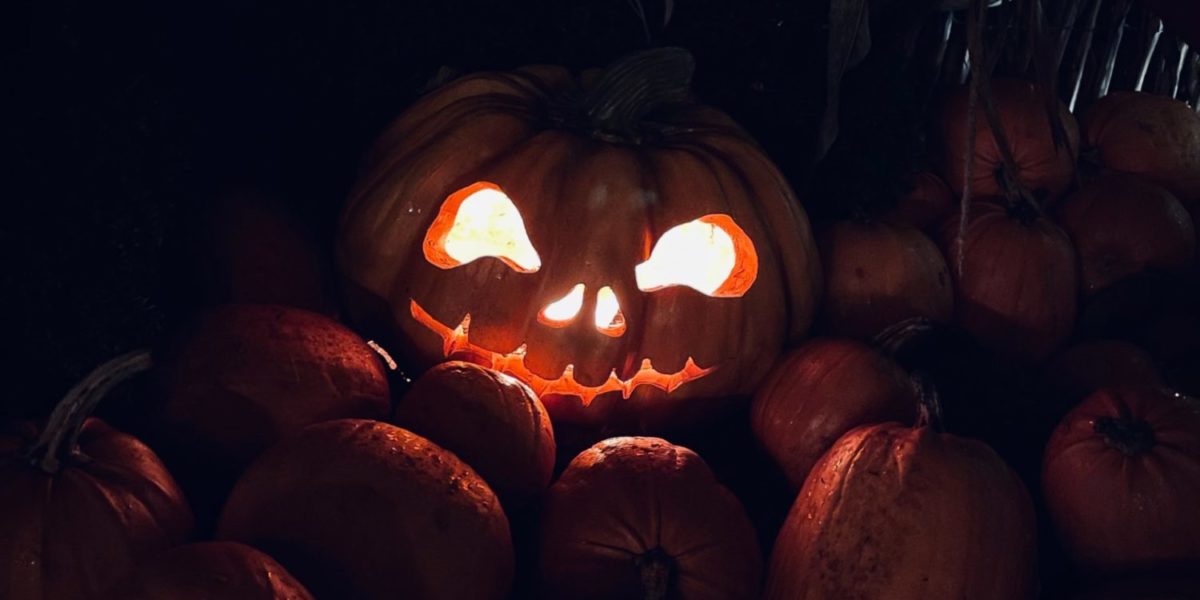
{"x":878,"y":274}
{"x":639,"y":517}
{"x":925,"y":206}
{"x":212,"y":571}
{"x":363,"y":509}
{"x":1154,"y":137}
{"x":1043,"y":166}
{"x":491,"y":421}
{"x":1017,"y":287}
{"x":1121,"y":226}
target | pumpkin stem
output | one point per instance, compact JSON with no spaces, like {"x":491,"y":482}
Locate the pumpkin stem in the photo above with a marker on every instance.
{"x":896,"y":336}
{"x":1128,"y":435}
{"x":656,"y":569}
{"x":61,"y":433}
{"x":633,"y":86}
{"x":929,"y":403}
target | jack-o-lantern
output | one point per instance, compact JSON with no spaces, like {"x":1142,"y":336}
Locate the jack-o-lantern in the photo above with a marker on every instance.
{"x":632,"y":256}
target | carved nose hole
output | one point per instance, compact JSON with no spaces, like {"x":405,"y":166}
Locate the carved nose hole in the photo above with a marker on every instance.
{"x":609,"y":319}
{"x":561,"y":312}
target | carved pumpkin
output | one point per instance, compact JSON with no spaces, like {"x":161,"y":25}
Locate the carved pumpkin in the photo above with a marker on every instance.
{"x":1154,"y":137}
{"x":491,"y":421}
{"x":1017,"y":289}
{"x":1121,"y":477}
{"x":1043,"y":167}
{"x":631,"y":256}
{"x":1121,"y":226}
{"x":363,"y":509}
{"x":638,"y":517}
{"x":925,"y":206}
{"x":877,"y":274}
{"x":209,"y":571}
{"x":81,"y":503}
{"x":820,"y":391}
{"x":244,"y":375}
{"x":907,"y":514}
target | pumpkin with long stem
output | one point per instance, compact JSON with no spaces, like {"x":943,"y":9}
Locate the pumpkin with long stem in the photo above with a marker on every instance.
{"x":83,"y":503}
{"x":1121,"y":477}
{"x":900,"y":512}
{"x":631,"y":255}
{"x":639,"y":517}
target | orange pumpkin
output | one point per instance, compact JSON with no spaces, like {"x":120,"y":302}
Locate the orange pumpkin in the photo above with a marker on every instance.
{"x":1154,"y":137}
{"x":1045,"y":168}
{"x":81,"y":503}
{"x":877,"y":274}
{"x":1017,"y":288}
{"x":1121,"y":477}
{"x":820,"y":391}
{"x":925,"y":206}
{"x":632,"y":256}
{"x":638,"y":517}
{"x":492,"y":421}
{"x":363,"y":509}
{"x":244,"y":376}
{"x":907,"y":514}
{"x":210,"y":571}
{"x":1121,"y":226}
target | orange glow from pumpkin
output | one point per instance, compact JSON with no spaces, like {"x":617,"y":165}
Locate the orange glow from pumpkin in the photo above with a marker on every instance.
{"x":609,"y":319}
{"x":477,"y":221}
{"x":711,"y":255}
{"x":562,"y":311}
{"x":456,"y":341}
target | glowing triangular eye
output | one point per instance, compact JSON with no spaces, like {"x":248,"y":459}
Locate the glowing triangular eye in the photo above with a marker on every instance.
{"x":609,"y":318}
{"x":562,"y":311}
{"x":711,"y":255}
{"x":477,"y":221}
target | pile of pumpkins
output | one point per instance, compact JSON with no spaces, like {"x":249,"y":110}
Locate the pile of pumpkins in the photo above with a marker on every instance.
{"x":603,"y":256}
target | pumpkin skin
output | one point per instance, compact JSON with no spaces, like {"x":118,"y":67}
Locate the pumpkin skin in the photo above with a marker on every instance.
{"x":210,"y":570}
{"x":246,"y":375}
{"x":638,"y":517}
{"x":363,"y":509}
{"x":491,"y":421}
{"x":1090,"y":366}
{"x":1017,"y":290}
{"x":820,"y":391}
{"x":1154,"y":137}
{"x":77,"y":532}
{"x":929,"y":202}
{"x":593,"y":204}
{"x":1045,"y":169}
{"x":877,"y":274}
{"x":901,"y":513}
{"x":1121,"y":226}
{"x":1121,"y":478}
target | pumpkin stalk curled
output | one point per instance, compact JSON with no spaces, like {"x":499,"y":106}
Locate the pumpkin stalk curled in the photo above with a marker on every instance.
{"x":61,"y":434}
{"x":635,"y":85}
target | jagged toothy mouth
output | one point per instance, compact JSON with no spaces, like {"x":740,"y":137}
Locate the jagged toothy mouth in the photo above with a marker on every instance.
{"x":456,"y":340}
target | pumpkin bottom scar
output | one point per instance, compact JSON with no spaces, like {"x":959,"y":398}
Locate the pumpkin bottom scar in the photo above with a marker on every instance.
{"x":456,"y":340}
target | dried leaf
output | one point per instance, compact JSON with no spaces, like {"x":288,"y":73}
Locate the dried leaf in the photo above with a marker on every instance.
{"x":849,"y":43}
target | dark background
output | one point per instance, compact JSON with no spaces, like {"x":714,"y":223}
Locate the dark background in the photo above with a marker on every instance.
{"x":122,"y":120}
